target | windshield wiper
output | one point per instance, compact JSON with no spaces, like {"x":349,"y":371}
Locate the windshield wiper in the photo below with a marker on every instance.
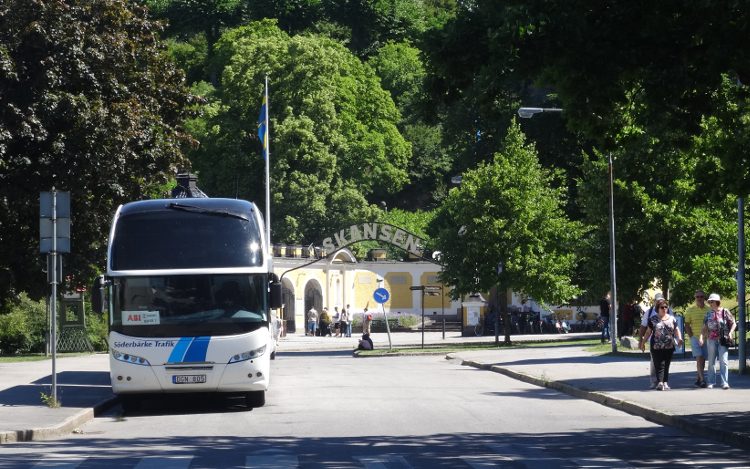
{"x":207,"y":211}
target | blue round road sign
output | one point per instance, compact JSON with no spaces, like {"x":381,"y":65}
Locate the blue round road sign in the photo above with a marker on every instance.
{"x":381,"y":295}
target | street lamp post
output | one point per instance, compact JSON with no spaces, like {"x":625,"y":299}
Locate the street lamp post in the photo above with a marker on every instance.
{"x":528,"y":113}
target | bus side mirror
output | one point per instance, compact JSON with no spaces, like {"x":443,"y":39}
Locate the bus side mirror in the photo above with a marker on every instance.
{"x":274,"y":300}
{"x":97,"y":295}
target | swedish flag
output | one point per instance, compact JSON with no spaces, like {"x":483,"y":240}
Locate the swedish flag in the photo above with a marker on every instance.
{"x":262,"y":128}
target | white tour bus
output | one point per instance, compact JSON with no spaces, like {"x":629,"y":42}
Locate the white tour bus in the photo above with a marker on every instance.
{"x":189,"y":289}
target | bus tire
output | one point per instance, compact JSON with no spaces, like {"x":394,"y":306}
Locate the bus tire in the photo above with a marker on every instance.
{"x":130,"y":404}
{"x":255,"y":399}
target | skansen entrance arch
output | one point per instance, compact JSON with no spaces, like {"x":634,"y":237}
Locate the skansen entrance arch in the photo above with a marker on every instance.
{"x":346,"y":282}
{"x":372,"y":231}
{"x":375,"y":231}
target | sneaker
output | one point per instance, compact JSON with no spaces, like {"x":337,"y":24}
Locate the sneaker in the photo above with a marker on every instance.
{"x":666,"y":387}
{"x":710,"y":386}
{"x":697,"y":383}
{"x":660,"y":387}
{"x":703,"y":384}
{"x":725,"y":386}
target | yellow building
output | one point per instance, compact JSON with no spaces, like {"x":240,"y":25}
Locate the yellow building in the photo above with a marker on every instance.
{"x":341,"y":279}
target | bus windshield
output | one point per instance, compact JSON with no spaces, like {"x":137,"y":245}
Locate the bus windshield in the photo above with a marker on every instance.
{"x":189,"y":305}
{"x":185,"y":237}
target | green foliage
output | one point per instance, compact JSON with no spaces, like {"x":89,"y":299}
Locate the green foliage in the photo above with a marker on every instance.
{"x":334,"y":140}
{"x":97,"y":330}
{"x":49,"y":401}
{"x":91,"y":105}
{"x":23,"y":326}
{"x":375,"y":22}
{"x":510,"y":212}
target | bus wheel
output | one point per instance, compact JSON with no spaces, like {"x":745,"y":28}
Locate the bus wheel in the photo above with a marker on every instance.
{"x":130,"y":404}
{"x":255,"y":399}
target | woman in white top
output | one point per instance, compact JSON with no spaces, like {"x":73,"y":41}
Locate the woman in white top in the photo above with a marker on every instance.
{"x":717,"y":320}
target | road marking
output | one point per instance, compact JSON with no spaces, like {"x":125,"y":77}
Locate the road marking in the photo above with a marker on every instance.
{"x":601,"y":462}
{"x":382,"y":461}
{"x":272,"y":461}
{"x":59,"y":464}
{"x":165,"y":462}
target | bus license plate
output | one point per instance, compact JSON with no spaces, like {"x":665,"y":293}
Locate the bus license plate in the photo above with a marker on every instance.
{"x":188,"y":379}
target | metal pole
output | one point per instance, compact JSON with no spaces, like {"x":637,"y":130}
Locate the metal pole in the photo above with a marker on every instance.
{"x":612,"y":269}
{"x":387,"y":327}
{"x":268,"y":174}
{"x":741,"y":350}
{"x":442,"y":308}
{"x":497,"y":315}
{"x":53,"y":339}
{"x":422,"y":317}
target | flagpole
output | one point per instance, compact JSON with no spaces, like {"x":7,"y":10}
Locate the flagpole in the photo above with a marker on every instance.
{"x":268,"y":175}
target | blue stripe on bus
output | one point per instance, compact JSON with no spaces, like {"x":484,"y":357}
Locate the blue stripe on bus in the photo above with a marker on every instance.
{"x":198,"y":349}
{"x":178,"y":352}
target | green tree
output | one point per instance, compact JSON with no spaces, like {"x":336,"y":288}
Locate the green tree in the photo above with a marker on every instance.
{"x":508,"y":212}
{"x":375,"y":22}
{"x":607,"y":65}
{"x":90,"y":104}
{"x":199,"y":23}
{"x":402,"y":73}
{"x":334,"y":140}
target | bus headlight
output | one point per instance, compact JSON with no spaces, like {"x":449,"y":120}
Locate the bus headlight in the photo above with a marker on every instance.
{"x":128,"y":358}
{"x":241,"y":357}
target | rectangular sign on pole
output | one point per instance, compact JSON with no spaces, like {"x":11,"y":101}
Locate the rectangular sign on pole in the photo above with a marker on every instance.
{"x":62,"y":203}
{"x":54,"y":217}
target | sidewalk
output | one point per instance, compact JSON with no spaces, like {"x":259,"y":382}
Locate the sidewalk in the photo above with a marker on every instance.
{"x":620,"y":382}
{"x":82,"y":387}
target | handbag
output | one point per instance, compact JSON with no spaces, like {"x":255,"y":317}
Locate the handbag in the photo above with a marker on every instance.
{"x":724,"y":338}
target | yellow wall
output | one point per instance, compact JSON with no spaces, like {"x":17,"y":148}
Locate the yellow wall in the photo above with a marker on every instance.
{"x":398,"y":283}
{"x":365,"y":283}
{"x":433,"y":303}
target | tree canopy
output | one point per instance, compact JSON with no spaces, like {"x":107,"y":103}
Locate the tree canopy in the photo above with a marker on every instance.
{"x":505,"y":225}
{"x":91,"y":104}
{"x":334,"y":139}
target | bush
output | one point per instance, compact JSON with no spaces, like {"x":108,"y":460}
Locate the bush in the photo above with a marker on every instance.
{"x":23,"y":326}
{"x":97,"y":329}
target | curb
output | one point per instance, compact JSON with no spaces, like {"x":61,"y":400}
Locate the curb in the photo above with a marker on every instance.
{"x":55,"y":431}
{"x":652,"y":415}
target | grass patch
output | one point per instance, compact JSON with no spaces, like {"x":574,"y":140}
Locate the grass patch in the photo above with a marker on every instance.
{"x":470,"y":347}
{"x":433,"y":349}
{"x":36,"y":357}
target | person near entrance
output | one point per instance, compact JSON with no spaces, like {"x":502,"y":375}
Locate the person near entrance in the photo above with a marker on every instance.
{"x":366,"y":322}
{"x":694,"y":316}
{"x":605,"y":307}
{"x":346,"y":324}
{"x":312,"y":320}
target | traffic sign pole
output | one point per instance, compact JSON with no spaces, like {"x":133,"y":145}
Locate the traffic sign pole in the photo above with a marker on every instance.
{"x":381,"y":295}
{"x":53,"y":339}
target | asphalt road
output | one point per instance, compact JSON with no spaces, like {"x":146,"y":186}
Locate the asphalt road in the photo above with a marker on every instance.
{"x":328,"y":409}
